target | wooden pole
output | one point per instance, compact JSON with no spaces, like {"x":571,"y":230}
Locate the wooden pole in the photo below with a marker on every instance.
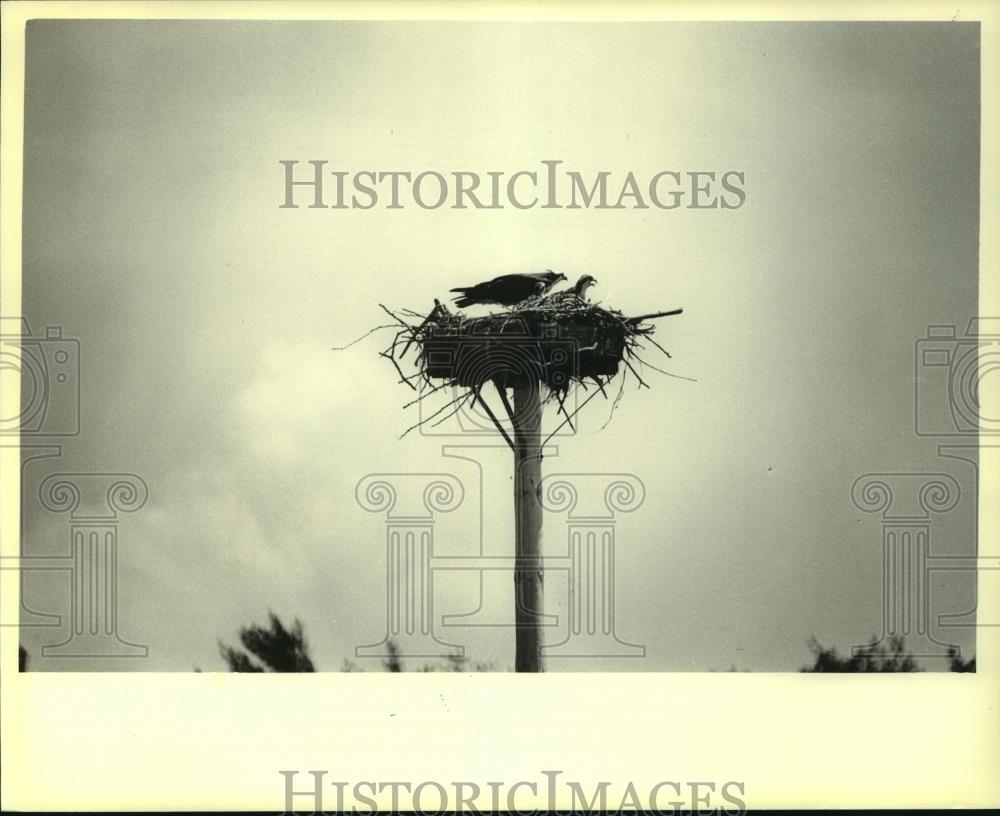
{"x":528,"y":595}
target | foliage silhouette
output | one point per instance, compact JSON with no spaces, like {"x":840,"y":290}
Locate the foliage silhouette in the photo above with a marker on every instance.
{"x":872,"y":657}
{"x":453,"y":662}
{"x":877,"y":657}
{"x":392,"y":663}
{"x":275,"y":649}
{"x":956,"y":664}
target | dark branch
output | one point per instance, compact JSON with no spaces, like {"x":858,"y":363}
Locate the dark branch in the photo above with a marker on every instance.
{"x":493,"y":417}
{"x":653,"y":316}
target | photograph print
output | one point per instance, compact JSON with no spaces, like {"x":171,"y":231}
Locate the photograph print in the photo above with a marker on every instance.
{"x":493,"y":346}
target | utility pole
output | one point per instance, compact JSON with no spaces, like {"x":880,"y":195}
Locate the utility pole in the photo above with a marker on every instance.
{"x":555,"y":343}
{"x":528,"y":577}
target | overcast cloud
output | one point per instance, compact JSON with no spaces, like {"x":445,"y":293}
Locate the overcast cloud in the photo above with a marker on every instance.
{"x":206,"y":314}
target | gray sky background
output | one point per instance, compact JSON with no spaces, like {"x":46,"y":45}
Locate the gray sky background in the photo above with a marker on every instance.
{"x":206,"y":314}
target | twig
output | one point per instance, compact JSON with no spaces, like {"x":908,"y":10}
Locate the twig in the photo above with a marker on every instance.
{"x":425,"y":394}
{"x":362,"y":337}
{"x":568,"y":419}
{"x":492,"y":416}
{"x":640,"y":318}
{"x":401,"y":374}
{"x":506,"y":402}
{"x":642,"y":362}
{"x":430,"y":316}
{"x":614,"y":405}
{"x":458,"y":407}
{"x":642,"y":382}
{"x":443,"y":408}
{"x":652,"y":340}
{"x":396,"y":317}
{"x":560,"y":400}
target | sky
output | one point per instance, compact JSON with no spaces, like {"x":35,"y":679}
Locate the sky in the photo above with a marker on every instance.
{"x":207,"y":314}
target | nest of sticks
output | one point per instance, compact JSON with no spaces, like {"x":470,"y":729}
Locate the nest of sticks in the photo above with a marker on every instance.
{"x":558,"y":341}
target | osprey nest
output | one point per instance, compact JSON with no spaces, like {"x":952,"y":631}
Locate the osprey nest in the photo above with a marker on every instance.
{"x":559,"y":341}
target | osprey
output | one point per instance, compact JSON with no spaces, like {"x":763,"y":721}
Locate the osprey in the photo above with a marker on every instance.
{"x":507,"y":290}
{"x":582,"y":285}
{"x":578,"y":292}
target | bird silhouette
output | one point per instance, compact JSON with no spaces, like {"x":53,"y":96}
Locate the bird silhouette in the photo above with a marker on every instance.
{"x":578,"y":292}
{"x":507,"y":290}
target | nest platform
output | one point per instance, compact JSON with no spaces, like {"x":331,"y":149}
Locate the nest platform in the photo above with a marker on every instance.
{"x":559,"y":341}
{"x":552,"y":345}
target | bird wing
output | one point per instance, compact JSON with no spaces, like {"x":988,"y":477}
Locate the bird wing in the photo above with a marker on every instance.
{"x":517,"y":279}
{"x":514,"y":279}
{"x":505,"y":286}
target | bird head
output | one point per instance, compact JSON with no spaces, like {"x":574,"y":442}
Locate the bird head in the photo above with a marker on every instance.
{"x":553,"y":277}
{"x":584,"y":283}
